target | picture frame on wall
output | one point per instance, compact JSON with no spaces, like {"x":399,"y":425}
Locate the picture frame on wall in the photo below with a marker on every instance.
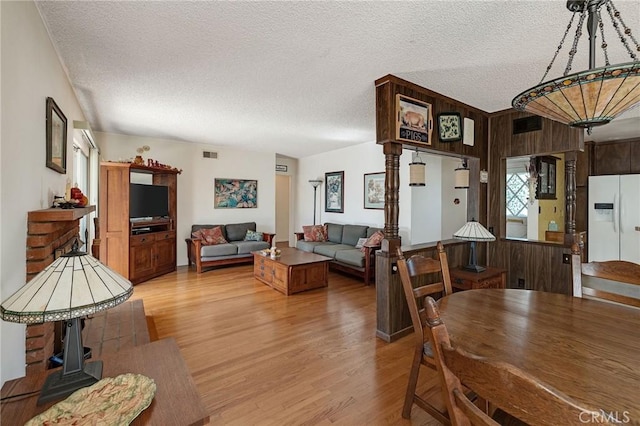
{"x":56,"y":137}
{"x":414,"y":120}
{"x":334,"y":192}
{"x":374,"y":190}
{"x":449,"y":127}
{"x":235,"y":194}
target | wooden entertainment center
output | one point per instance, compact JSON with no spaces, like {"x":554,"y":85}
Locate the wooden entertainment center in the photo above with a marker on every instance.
{"x":142,"y":249}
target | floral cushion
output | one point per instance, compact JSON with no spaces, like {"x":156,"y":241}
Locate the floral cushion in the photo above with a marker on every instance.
{"x":253,"y":236}
{"x":197,"y":234}
{"x":212,"y":236}
{"x":317,"y":233}
{"x":361,"y":242}
{"x":374,"y":240}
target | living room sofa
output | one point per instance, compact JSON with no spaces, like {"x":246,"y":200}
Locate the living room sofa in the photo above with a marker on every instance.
{"x":341,"y":247}
{"x":235,"y":250}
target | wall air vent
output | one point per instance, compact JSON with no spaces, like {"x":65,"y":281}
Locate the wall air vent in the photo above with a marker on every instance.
{"x":209,"y":154}
{"x":527,"y":124}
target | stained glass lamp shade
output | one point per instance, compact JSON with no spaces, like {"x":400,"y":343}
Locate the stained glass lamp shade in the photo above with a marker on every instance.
{"x":596,"y":96}
{"x":473,"y":231}
{"x":73,"y":286}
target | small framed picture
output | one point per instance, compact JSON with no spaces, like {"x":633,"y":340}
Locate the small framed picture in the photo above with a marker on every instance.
{"x":56,"y":135}
{"x":374,"y":191}
{"x":334,"y":192}
{"x":414,"y":121}
{"x":449,"y":127}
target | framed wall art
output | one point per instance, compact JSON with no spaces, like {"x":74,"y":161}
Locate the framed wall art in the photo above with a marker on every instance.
{"x":374,"y":191}
{"x":414,"y":120}
{"x":56,"y":135}
{"x":334,"y":192}
{"x":236,"y":194}
{"x":449,"y":127}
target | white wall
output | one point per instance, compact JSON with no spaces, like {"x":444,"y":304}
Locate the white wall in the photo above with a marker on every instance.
{"x":426,"y":213}
{"x":30,"y":73}
{"x":355,"y":161}
{"x":195,"y":184}
{"x":454,"y":216}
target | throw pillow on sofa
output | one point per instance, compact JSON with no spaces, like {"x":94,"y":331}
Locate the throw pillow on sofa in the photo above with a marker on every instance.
{"x":198,"y":235}
{"x":213,"y":236}
{"x":317,"y":233}
{"x":361,"y":242}
{"x":374,"y":240}
{"x":253,"y":236}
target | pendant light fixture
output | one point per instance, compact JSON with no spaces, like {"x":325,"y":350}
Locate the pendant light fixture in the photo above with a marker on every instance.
{"x":462,"y":176}
{"x":417,"y":170}
{"x":595,"y":96}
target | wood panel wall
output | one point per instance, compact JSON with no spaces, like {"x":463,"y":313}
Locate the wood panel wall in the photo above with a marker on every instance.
{"x":393,"y":318}
{"x":530,"y":264}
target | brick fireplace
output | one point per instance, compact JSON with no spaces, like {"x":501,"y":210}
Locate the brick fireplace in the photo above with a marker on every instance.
{"x":50,"y":233}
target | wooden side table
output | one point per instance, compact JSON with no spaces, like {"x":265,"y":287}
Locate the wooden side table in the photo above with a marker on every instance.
{"x":461,"y":279}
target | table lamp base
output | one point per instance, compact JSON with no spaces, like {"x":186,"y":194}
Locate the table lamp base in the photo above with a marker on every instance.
{"x":58,"y":385}
{"x":474,"y":268}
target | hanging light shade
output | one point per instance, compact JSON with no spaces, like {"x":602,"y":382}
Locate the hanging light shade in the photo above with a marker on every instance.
{"x":462,"y":176}
{"x":593,"y":97}
{"x":417,"y":171}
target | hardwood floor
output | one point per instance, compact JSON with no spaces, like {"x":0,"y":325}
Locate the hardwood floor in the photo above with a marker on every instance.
{"x":259,"y":357}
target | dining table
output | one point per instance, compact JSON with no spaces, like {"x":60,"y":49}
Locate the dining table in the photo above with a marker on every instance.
{"x":587,"y":349}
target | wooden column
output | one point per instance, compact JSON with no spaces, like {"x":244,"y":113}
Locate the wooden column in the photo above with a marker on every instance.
{"x":392,"y":152}
{"x":570,"y":196}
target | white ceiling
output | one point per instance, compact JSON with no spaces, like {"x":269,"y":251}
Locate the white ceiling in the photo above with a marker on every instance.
{"x":297,"y":78}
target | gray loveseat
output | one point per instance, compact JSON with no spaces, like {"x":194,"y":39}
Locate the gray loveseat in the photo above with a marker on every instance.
{"x":236,"y":250}
{"x":340,"y":246}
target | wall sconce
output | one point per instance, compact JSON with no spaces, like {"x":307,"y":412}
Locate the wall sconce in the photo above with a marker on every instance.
{"x":417,"y":171}
{"x":462,"y":176}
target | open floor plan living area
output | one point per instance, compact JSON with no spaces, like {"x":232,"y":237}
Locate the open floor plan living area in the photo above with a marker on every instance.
{"x":319,"y":212}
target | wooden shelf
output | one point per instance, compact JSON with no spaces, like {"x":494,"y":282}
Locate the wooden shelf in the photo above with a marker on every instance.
{"x":58,"y":214}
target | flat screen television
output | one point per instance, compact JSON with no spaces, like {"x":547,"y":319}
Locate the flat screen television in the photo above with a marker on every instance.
{"x":148,"y":201}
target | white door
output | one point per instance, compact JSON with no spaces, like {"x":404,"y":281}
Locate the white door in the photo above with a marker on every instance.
{"x":630,"y":218}
{"x":603,"y":218}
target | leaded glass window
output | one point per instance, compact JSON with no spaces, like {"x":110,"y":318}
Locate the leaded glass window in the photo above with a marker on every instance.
{"x":517,"y":194}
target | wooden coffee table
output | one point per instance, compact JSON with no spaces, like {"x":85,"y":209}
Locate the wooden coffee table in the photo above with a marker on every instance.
{"x":293,"y":271}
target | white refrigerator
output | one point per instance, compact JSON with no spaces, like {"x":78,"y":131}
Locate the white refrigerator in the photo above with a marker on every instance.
{"x":614,"y":218}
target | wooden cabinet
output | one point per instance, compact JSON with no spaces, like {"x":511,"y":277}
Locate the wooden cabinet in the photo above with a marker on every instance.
{"x":546,"y":168}
{"x":462,"y":279}
{"x":151,"y":254}
{"x":137,"y":250}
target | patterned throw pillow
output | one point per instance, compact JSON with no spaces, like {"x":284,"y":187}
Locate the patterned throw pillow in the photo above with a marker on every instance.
{"x":317,"y":233}
{"x":253,"y":236}
{"x":373,"y":241}
{"x":197,"y":234}
{"x":212,"y":236}
{"x":361,"y":242}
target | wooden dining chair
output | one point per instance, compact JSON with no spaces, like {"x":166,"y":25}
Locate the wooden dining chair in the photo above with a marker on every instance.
{"x":613,"y":280}
{"x":520,"y":398}
{"x":421,"y":270}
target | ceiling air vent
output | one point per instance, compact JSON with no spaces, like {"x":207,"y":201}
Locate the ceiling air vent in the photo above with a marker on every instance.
{"x":209,"y":154}
{"x":527,"y":124}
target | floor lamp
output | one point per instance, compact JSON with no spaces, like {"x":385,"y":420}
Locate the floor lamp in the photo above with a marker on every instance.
{"x":315,"y":183}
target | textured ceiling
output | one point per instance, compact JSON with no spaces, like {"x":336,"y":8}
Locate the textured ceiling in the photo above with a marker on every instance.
{"x":297,"y":78}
